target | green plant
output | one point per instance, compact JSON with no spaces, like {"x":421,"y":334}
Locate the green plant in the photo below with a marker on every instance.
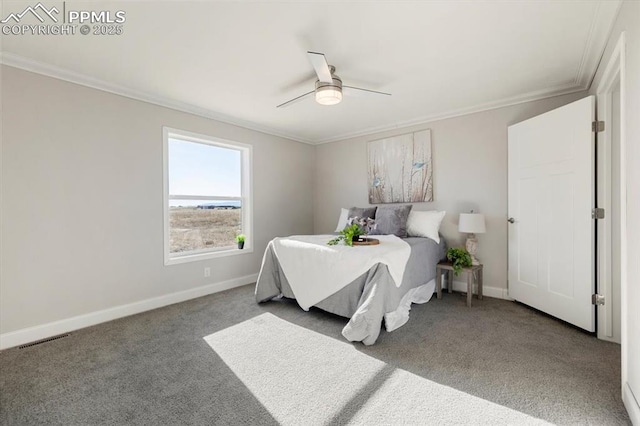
{"x":347,"y":235}
{"x":460,"y":258}
{"x":240,"y":238}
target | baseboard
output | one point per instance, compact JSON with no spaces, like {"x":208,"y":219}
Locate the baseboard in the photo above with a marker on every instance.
{"x":31,"y":334}
{"x":495,"y":292}
{"x":631,"y":404}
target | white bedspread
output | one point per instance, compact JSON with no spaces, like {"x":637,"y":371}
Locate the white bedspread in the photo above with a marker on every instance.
{"x":316,"y":270}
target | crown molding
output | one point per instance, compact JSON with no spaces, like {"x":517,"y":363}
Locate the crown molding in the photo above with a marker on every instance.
{"x":501,"y":103}
{"x":604,"y":17}
{"x":602,"y":22}
{"x":17,"y":61}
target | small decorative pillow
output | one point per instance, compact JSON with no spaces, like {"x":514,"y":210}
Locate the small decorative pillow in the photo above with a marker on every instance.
{"x":361,"y":212}
{"x":425,"y":224}
{"x":392,"y":220}
{"x":342,"y":220}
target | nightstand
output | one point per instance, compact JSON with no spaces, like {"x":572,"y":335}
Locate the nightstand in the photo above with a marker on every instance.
{"x":474,"y":276}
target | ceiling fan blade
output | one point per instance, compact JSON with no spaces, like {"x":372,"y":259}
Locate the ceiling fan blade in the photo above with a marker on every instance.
{"x":295,"y":100}
{"x":350,"y":90}
{"x":304,"y":82}
{"x":321,"y":66}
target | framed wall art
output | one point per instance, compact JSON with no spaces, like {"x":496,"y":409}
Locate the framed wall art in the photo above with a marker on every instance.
{"x":400,"y":169}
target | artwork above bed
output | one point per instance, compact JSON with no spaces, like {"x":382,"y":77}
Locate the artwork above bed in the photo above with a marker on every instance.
{"x":400,"y":169}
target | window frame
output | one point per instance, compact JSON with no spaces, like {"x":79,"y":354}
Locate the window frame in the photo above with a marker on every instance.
{"x":246,"y":196}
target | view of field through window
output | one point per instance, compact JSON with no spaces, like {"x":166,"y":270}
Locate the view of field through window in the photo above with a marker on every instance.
{"x":193,"y":228}
{"x":208,"y":173}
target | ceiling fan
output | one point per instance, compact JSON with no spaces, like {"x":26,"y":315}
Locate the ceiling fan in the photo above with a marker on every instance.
{"x":329,"y":87}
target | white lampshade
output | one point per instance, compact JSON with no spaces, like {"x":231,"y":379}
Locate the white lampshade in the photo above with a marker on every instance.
{"x":472,"y":223}
{"x":328,"y":95}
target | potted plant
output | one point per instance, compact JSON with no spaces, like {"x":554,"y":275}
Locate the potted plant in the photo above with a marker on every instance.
{"x":354,"y":231}
{"x":347,"y":235}
{"x":459,"y":258}
{"x":240,"y":238}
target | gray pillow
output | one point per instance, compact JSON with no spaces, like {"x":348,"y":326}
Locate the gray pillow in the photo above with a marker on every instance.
{"x":392,"y":220}
{"x":362,"y":212}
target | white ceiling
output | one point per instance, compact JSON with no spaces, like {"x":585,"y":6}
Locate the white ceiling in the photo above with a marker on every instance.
{"x":236,"y":61}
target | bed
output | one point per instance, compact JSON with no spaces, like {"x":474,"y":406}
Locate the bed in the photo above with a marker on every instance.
{"x":372,"y":296}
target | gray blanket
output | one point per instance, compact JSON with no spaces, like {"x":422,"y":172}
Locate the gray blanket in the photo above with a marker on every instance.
{"x":366,"y":299}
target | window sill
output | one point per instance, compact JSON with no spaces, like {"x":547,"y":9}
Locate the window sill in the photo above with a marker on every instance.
{"x":205,"y":256}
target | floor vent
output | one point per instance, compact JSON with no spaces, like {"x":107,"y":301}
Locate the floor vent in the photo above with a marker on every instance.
{"x":39,"y":342}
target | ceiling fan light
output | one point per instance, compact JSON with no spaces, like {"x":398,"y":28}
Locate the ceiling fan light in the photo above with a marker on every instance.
{"x":328,"y":95}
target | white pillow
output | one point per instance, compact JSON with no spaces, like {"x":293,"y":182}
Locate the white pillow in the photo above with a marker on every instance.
{"x":342,"y":221}
{"x":425,"y":224}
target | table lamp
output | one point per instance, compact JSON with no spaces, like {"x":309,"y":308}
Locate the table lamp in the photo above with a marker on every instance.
{"x":472,"y":223}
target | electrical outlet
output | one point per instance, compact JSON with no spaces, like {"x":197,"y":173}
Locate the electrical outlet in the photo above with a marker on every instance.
{"x":207,"y":272}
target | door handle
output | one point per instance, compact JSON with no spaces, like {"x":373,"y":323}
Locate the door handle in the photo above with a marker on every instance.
{"x":511,"y":220}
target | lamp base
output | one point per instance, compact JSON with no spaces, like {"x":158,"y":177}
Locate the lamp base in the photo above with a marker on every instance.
{"x":471,"y":245}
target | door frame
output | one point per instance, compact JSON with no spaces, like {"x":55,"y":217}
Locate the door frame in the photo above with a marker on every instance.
{"x":614,"y":73}
{"x":611,"y":76}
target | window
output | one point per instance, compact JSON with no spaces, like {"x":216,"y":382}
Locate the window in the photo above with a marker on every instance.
{"x":207,"y":197}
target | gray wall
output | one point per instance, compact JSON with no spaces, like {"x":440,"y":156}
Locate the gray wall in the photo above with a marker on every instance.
{"x":470,"y":172}
{"x":629,"y":21}
{"x":82,"y":227}
{"x":82,"y":195}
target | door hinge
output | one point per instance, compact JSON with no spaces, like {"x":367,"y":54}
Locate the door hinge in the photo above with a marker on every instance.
{"x":597,"y":213}
{"x":597,"y":299}
{"x":597,"y":126}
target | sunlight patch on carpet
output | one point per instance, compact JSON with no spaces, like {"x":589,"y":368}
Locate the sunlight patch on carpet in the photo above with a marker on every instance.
{"x":303,"y":377}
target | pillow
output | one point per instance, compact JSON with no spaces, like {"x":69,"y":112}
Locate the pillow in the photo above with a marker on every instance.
{"x":392,"y":220}
{"x":425,"y":224}
{"x":362,"y":212}
{"x":342,"y":220}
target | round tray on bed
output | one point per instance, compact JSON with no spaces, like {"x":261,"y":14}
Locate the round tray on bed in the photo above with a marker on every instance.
{"x":367,"y":242}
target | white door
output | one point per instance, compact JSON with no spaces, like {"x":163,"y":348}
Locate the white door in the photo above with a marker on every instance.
{"x":551,"y":194}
